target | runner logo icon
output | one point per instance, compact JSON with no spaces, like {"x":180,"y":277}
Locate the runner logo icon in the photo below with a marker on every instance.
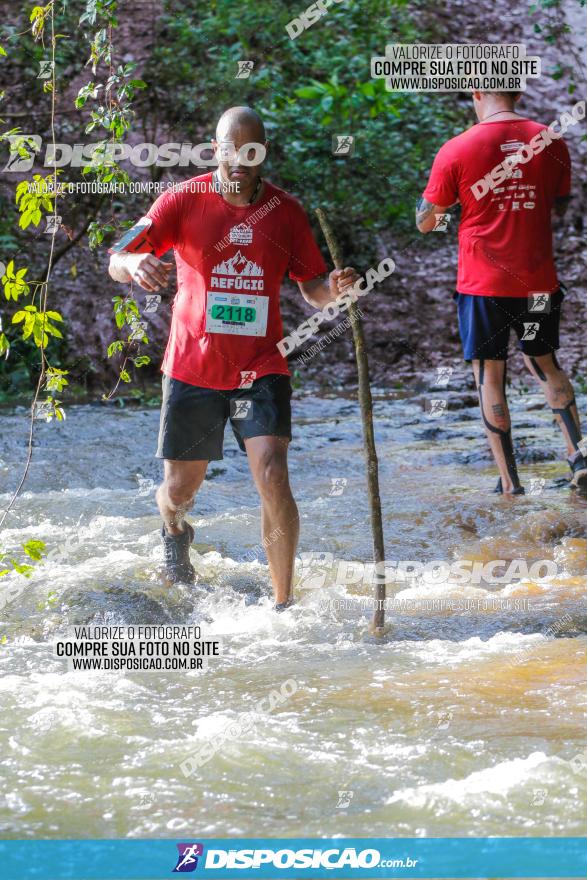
{"x":187,"y":859}
{"x":530,"y":331}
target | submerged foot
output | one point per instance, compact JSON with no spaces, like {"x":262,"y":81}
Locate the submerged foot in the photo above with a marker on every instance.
{"x":517,"y":490}
{"x":578,"y":466}
{"x":176,"y":550}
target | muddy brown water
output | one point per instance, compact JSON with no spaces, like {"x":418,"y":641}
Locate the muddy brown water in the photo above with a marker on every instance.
{"x":468,"y":718}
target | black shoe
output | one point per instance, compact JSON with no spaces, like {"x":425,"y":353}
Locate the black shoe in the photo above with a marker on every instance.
{"x":519,"y":490}
{"x":578,"y":466}
{"x":281,"y":606}
{"x":176,"y":551}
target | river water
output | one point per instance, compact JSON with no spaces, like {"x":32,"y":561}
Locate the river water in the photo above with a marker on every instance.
{"x":468,"y":718}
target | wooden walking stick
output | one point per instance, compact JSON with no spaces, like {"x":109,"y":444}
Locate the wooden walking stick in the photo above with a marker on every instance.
{"x":366,"y":403}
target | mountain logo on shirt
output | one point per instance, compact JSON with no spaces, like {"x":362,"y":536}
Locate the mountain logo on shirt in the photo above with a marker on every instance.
{"x":237,"y":265}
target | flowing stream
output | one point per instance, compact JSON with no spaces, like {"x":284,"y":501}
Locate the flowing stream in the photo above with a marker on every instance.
{"x":468,"y":718}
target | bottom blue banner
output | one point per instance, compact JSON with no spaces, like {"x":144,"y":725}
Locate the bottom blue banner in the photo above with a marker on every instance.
{"x":497,"y":857}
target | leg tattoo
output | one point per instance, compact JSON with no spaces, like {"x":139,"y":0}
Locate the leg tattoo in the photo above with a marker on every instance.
{"x":504,"y":434}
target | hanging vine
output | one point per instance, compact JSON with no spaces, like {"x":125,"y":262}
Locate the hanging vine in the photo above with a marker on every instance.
{"x":37,"y":200}
{"x":111,"y":111}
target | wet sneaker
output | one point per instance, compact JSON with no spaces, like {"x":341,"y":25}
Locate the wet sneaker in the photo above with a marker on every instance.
{"x":499,"y":489}
{"x":176,"y":551}
{"x":281,"y":606}
{"x":578,"y":466}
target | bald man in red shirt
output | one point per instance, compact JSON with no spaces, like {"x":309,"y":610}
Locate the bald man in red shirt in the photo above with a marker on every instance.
{"x":509,"y":174}
{"x":234,"y":236}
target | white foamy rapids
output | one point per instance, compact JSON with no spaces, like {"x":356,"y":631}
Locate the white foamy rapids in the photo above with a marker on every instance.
{"x":461,"y":713}
{"x":499,"y":780}
{"x":441,"y":651}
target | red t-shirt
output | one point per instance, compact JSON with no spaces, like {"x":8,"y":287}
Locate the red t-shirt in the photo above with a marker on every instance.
{"x":230,"y":260}
{"x":505,"y":236}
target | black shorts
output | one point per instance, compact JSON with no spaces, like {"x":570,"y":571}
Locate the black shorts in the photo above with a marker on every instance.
{"x":485,"y":323}
{"x":193,"y":419}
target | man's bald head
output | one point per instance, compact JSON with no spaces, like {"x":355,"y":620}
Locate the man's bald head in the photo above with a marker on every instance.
{"x":240,"y":147}
{"x":240,"y":119}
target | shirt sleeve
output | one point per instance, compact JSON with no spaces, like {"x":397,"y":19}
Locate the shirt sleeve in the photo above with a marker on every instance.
{"x":564,"y":163}
{"x":442,"y":188}
{"x":305,"y":260}
{"x":165,"y":228}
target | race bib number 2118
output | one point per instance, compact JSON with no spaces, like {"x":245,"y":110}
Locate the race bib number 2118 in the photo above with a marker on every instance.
{"x":237,"y":314}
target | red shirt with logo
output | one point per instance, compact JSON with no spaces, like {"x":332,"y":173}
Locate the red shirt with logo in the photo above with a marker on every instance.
{"x":231,"y":260}
{"x":505,"y":235}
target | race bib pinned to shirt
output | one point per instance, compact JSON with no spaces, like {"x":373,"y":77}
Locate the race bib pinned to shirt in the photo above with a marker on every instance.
{"x":237,"y":314}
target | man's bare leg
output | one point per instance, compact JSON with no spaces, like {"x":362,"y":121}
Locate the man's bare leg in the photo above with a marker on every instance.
{"x":490,"y":381}
{"x":559,"y":395}
{"x":280,"y":524}
{"x":175,"y":496}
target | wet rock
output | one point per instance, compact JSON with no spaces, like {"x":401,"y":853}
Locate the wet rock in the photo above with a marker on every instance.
{"x":121,"y":604}
{"x":530,"y":455}
{"x":431,"y":434}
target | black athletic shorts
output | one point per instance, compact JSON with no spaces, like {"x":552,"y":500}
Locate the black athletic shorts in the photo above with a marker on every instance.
{"x":485,"y":323}
{"x":193,"y":419}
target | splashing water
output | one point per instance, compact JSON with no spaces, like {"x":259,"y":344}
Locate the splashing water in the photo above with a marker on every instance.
{"x":466,"y":719}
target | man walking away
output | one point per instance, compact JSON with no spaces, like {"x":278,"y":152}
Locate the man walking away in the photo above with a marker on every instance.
{"x":506,"y":272}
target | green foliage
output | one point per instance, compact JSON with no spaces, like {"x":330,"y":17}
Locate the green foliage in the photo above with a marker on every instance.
{"x":115,"y":113}
{"x":126,"y":311}
{"x":32,"y":199}
{"x":38,"y":324}
{"x":20,"y":145}
{"x":49,"y":602}
{"x":126,"y":314}
{"x":51,"y":409}
{"x":552,"y":22}
{"x":20,"y":369}
{"x":14,"y":283}
{"x":56,"y":380}
{"x":97,"y":232}
{"x":99,"y":9}
{"x":110,"y":111}
{"x":35,"y":329}
{"x":8,"y":234}
{"x":38,"y":18}
{"x":34,"y":550}
{"x":308,"y":90}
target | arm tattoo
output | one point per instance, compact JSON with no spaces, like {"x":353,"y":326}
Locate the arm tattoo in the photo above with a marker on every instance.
{"x":423,"y":209}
